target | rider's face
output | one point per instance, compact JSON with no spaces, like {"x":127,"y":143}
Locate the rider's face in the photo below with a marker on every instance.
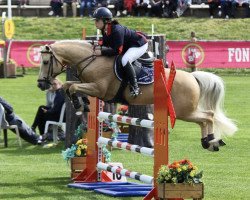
{"x":99,"y":24}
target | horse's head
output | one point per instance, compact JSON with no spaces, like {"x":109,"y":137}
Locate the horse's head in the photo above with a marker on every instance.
{"x":50,"y":67}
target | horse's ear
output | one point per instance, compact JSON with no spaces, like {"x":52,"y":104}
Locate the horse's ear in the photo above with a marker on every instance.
{"x":47,"y":47}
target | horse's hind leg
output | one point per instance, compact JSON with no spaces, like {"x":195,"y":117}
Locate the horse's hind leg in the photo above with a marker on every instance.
{"x":205,"y":120}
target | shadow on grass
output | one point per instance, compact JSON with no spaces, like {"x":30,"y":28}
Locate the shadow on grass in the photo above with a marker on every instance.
{"x":28,"y":149}
{"x":52,"y":188}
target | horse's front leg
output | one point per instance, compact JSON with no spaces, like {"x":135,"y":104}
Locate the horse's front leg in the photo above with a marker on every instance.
{"x":90,"y":89}
{"x":67,"y":85}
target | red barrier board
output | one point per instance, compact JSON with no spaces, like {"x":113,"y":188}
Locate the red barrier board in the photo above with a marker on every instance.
{"x":202,"y":54}
{"x":209,"y":54}
{"x":27,"y":53}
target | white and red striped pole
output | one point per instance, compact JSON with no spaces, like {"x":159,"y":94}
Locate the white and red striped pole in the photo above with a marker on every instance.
{"x":126,"y":120}
{"x":126,"y":146}
{"x":124,"y":172}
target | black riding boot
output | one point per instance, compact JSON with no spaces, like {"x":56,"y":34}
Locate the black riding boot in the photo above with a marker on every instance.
{"x":131,"y":77}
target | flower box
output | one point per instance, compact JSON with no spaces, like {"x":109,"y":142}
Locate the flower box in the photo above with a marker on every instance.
{"x":78,"y":164}
{"x":181,"y":190}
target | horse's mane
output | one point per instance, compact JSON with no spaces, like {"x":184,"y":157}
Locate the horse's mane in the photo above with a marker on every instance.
{"x":81,"y":43}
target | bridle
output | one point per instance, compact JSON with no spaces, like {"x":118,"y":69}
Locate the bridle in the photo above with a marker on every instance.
{"x":64,"y":67}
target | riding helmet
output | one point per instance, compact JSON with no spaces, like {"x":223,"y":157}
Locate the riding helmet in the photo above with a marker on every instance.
{"x":102,"y":13}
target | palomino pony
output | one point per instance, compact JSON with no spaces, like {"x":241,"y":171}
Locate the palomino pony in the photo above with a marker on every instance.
{"x":197,"y":97}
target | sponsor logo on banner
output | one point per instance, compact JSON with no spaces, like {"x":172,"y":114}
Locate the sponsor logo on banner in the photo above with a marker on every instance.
{"x":192,"y":55}
{"x":33,"y":54}
{"x":115,"y":177}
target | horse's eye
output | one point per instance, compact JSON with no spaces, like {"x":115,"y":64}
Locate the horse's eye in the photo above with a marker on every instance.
{"x":45,"y":62}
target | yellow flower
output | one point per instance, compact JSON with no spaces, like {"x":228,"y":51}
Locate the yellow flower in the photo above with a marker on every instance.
{"x":178,"y":169}
{"x":78,"y":152}
{"x":79,"y":142}
{"x":184,"y":168}
{"x":195,"y":168}
{"x":192,"y":173}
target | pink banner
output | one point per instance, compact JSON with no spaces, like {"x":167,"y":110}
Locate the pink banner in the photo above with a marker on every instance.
{"x":209,"y":54}
{"x":27,"y":53}
{"x":202,"y":54}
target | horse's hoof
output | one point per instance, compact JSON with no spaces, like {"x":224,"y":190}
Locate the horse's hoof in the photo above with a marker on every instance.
{"x":205,"y":144}
{"x":213,"y":141}
{"x":213,"y":148}
{"x":221,"y":142}
{"x":216,"y":148}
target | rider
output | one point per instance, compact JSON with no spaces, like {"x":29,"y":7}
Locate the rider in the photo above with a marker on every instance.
{"x":121,"y":40}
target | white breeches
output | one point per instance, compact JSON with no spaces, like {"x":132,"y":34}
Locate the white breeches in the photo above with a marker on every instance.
{"x":133,"y":53}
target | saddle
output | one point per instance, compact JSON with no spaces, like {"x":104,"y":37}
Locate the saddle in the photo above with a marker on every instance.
{"x":144,"y":73}
{"x":143,"y":68}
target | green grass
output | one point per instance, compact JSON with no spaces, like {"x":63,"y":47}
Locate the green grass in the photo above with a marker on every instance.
{"x":175,"y":29}
{"x":33,"y":172}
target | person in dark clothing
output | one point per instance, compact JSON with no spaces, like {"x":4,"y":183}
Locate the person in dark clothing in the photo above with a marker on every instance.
{"x":169,"y":8}
{"x":52,"y":111}
{"x":213,"y":6}
{"x":120,"y":41}
{"x":25,"y":131}
{"x":56,"y":6}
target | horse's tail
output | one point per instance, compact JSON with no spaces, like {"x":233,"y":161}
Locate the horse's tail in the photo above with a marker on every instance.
{"x":212,"y":98}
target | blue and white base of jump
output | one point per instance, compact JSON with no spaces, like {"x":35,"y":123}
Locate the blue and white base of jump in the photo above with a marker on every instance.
{"x":115,"y":189}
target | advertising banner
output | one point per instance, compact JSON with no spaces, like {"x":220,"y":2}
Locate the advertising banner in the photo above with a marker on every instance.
{"x":209,"y":54}
{"x":27,"y":53}
{"x":202,"y":54}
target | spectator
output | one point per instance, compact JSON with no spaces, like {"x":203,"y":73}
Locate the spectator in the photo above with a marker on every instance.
{"x":156,"y":8}
{"x":56,"y":6}
{"x":86,"y":4}
{"x":169,"y":8}
{"x":52,"y":110}
{"x":101,"y":3}
{"x":244,"y":4}
{"x":213,"y":6}
{"x":225,"y":8}
{"x":129,"y":6}
{"x":141,"y":5}
{"x":182,"y":6}
{"x":72,"y":4}
{"x":193,"y":37}
{"x":24,"y":130}
{"x":23,"y":2}
{"x":119,"y":7}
